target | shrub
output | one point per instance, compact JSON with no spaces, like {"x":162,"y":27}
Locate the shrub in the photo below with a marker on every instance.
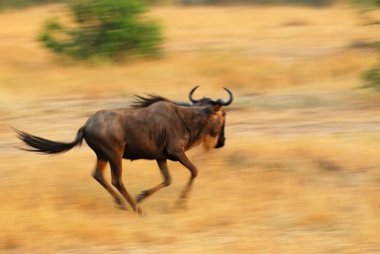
{"x":14,"y":4}
{"x":283,"y":2}
{"x":372,"y":76}
{"x":105,"y":29}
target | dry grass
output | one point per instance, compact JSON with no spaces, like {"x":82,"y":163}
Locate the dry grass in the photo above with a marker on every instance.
{"x":275,"y":196}
{"x":299,"y":174}
{"x":250,"y":49}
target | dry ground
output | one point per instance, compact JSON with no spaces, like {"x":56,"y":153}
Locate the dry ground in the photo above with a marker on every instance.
{"x":300,"y":171}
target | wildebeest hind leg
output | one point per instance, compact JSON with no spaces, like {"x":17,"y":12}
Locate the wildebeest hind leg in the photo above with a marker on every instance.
{"x":117,"y":181}
{"x":98,"y":175}
{"x":167,"y":180}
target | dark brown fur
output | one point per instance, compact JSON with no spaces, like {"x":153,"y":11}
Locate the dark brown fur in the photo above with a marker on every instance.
{"x":155,"y":128}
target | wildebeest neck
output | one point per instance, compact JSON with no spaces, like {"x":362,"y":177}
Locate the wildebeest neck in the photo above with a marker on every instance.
{"x":195,"y":120}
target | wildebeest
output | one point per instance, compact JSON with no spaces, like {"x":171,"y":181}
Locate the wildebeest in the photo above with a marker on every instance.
{"x":154,"y":128}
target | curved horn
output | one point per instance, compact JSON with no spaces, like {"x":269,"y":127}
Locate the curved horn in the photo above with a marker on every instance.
{"x":191,"y":95}
{"x":226,"y":103}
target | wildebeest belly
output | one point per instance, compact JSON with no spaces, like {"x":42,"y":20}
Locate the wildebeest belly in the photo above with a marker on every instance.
{"x":138,"y":152}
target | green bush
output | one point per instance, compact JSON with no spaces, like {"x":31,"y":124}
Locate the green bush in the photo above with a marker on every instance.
{"x":105,"y":29}
{"x":372,"y":76}
{"x":366,"y":2}
{"x":298,"y":2}
{"x":13,"y":4}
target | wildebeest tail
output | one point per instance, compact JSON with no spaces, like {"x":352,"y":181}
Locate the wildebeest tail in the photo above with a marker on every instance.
{"x":41,"y":145}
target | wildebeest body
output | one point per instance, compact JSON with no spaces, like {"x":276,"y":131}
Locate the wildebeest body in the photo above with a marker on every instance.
{"x":164,"y":129}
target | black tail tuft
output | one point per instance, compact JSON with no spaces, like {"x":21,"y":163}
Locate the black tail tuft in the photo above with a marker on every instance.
{"x":41,"y":145}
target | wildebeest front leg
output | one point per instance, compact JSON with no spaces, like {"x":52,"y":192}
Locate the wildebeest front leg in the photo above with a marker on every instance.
{"x":166,"y":182}
{"x":182,"y":158}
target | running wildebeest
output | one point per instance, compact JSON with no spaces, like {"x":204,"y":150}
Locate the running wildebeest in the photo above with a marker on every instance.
{"x":154,"y":128}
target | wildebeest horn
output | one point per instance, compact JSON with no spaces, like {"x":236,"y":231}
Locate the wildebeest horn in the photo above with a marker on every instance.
{"x":191,"y":95}
{"x":226,"y":103}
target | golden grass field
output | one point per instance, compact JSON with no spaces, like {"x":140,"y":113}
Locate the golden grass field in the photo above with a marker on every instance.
{"x":300,"y":172}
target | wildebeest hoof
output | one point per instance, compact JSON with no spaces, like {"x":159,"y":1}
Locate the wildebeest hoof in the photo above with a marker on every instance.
{"x":139,"y":211}
{"x":120,"y":205}
{"x":181,"y":204}
{"x":141,"y":196}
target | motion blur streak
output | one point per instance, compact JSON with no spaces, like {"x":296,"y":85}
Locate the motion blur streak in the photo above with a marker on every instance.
{"x":300,"y":169}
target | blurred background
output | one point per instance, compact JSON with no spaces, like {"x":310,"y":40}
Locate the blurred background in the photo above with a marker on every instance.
{"x":300,"y":172}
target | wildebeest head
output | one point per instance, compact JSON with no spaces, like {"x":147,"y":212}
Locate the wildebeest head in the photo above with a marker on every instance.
{"x":215,"y":136}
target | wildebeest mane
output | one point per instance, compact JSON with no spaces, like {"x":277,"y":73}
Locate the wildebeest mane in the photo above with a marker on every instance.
{"x":145,"y":101}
